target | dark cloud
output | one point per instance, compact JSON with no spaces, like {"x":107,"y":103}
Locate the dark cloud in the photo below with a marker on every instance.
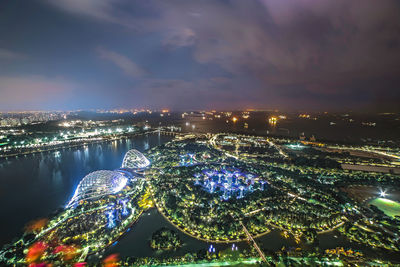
{"x":124,"y":63}
{"x":281,"y":54}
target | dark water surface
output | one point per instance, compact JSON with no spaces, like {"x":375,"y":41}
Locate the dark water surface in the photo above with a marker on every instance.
{"x":34,"y":186}
{"x":328,"y":128}
{"x":135,"y":243}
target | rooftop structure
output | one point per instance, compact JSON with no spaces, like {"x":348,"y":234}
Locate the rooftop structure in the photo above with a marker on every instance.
{"x":135,"y":159}
{"x":98,"y":184}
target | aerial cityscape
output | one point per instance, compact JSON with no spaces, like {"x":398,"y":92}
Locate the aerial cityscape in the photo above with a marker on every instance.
{"x":200,"y":133}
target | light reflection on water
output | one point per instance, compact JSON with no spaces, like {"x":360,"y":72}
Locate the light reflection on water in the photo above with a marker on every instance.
{"x":36,"y":185}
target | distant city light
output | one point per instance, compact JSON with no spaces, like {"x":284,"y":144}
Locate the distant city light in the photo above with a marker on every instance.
{"x":272,"y":120}
{"x":234,"y":119}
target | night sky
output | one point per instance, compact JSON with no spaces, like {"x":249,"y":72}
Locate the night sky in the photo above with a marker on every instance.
{"x":285,"y":54}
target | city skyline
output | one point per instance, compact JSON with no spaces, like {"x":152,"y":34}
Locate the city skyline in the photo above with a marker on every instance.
{"x":181,"y":55}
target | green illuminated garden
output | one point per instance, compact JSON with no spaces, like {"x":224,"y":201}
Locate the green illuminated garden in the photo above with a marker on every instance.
{"x":226,"y":189}
{"x":389,"y":207}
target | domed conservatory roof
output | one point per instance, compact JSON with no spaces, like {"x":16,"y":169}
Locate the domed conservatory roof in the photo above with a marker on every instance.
{"x":135,"y":159}
{"x":97,"y":184}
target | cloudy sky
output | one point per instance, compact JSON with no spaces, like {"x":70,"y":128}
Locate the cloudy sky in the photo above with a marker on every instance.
{"x":180,"y":54}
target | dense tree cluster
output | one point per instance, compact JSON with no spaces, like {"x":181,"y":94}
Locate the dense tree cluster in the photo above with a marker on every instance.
{"x":165,"y":239}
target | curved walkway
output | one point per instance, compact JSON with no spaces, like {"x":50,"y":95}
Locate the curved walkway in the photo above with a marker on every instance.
{"x":194,"y":236}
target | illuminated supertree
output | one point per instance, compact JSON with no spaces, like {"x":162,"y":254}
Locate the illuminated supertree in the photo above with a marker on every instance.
{"x":262,"y":185}
{"x":197,"y":176}
{"x":226,"y":189}
{"x":219,"y":177}
{"x":234,"y":247}
{"x":241,"y":188}
{"x":124,"y":208}
{"x":182,"y":159}
{"x":250,"y":181}
{"x":205,"y":181}
{"x":228,"y":177}
{"x":191,"y":156}
{"x":211,"y":249}
{"x":228,"y":181}
{"x":236,"y":178}
{"x":111,"y":222}
{"x":212,"y":184}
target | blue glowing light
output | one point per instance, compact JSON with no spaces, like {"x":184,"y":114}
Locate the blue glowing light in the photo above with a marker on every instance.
{"x":211,"y":249}
{"x":110,"y":216}
{"x":187,"y":160}
{"x":124,"y":208}
{"x":212,"y":184}
{"x":295,"y":146}
{"x":262,"y":185}
{"x":229,"y":182}
{"x":241,"y":188}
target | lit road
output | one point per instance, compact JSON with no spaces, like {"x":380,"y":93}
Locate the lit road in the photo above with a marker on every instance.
{"x":278,"y":148}
{"x":254,"y":242}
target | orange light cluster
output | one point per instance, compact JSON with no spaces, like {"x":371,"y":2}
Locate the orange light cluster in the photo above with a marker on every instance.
{"x":67,"y":253}
{"x":36,"y":251}
{"x":312,"y":143}
{"x":273,"y":120}
{"x":341,"y":250}
{"x":40,"y":251}
{"x":111,"y":261}
{"x":37,"y":225}
{"x":305,"y":116}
